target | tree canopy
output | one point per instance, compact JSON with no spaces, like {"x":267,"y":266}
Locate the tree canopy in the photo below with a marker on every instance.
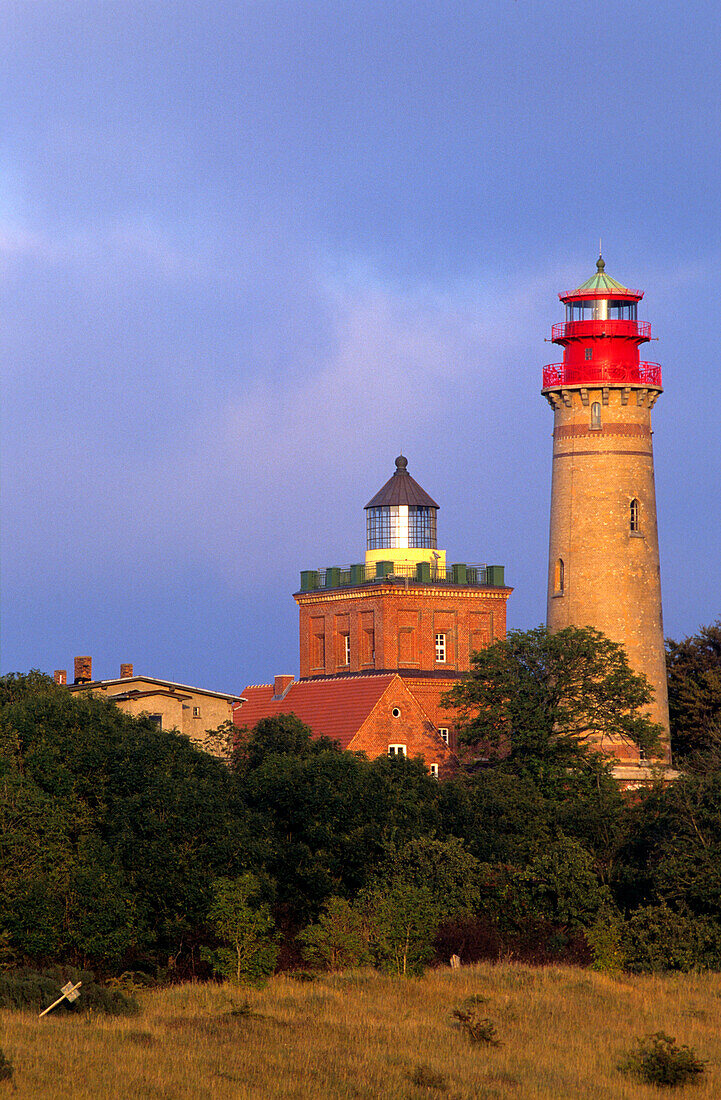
{"x":694,"y":693}
{"x":537,"y":696}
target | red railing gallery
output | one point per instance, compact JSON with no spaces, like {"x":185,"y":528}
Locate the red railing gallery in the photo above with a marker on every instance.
{"x":558,"y":374}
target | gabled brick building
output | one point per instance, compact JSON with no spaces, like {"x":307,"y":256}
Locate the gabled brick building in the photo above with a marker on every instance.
{"x":371,"y":714}
{"x":399,"y":627}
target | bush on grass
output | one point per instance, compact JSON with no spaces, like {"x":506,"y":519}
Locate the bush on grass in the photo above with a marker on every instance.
{"x":470,"y":1019}
{"x":659,"y":1060}
{"x":6,"y":1067}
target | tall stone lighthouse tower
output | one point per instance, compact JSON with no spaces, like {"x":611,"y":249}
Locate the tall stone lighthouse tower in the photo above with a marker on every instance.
{"x":603,"y":555}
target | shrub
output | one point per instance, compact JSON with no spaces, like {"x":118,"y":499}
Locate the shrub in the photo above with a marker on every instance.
{"x":658,"y":1060}
{"x":36,"y":989}
{"x":423,"y":1077}
{"x":6,"y":1067}
{"x":478,"y":1028}
{"x":604,"y":938}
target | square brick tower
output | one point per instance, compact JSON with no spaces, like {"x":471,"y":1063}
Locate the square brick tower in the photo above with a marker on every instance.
{"x":603,"y":556}
{"x":402,"y":609}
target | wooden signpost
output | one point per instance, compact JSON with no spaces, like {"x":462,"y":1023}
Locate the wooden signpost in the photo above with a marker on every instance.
{"x":69,"y":992}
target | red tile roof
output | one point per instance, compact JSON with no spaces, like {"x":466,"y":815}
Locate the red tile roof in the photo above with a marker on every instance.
{"x":334,"y":708}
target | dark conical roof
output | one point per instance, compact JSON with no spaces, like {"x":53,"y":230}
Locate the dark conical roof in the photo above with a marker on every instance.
{"x":402,"y":489}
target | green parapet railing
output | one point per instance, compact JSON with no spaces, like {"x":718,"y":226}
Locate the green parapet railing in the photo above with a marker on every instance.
{"x":423,"y":572}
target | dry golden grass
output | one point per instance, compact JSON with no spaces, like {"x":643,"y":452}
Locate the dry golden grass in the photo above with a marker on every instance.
{"x":361,"y":1035}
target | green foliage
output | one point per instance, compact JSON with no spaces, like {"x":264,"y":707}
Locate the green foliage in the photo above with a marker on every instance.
{"x":563,"y":886}
{"x":36,"y":989}
{"x":279,"y":735}
{"x":244,"y":923}
{"x":328,"y":819}
{"x":401,"y":920}
{"x":542,"y":699}
{"x":110,"y":830}
{"x":694,"y":696}
{"x":604,"y":937}
{"x":655,"y":938}
{"x":338,"y":941}
{"x":672,"y":854}
{"x":659,"y":1060}
{"x":479,"y":1028}
{"x":443,"y":867}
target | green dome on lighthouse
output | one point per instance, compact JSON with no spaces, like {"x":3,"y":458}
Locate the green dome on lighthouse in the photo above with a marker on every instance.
{"x":601,"y":281}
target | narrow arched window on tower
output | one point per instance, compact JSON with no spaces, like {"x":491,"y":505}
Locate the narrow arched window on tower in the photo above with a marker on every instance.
{"x":596,"y":414}
{"x":634,"y":517}
{"x":559,"y":578}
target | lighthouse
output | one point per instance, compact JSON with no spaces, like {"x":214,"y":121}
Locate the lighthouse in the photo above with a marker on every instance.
{"x":603,"y":549}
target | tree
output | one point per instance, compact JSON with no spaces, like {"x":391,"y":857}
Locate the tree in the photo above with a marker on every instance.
{"x":244,"y":923}
{"x":402,"y":920}
{"x":338,"y":940}
{"x":279,"y":735}
{"x":111,"y":831}
{"x":694,"y":694}
{"x":537,"y":697}
{"x":443,"y":867}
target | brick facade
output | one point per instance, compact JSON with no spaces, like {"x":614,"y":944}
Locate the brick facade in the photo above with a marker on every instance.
{"x":611,"y":576}
{"x":394,"y":627}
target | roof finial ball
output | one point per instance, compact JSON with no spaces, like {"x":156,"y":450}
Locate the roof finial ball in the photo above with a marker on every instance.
{"x":401,"y":465}
{"x":600,"y":264}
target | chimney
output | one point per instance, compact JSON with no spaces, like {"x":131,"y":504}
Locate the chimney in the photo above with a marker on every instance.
{"x":281,"y":685}
{"x":83,"y":670}
{"x":61,"y":676}
{"x":126,"y":672}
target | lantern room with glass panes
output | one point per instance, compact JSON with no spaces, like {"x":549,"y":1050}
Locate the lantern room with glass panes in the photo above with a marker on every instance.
{"x":401,"y":524}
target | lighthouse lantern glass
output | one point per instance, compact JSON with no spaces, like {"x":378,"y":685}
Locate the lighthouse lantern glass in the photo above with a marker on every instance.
{"x":401,"y":526}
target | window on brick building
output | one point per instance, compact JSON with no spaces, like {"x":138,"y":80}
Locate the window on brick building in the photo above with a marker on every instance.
{"x":596,"y":415}
{"x":589,"y":353}
{"x":396,"y":750}
{"x":440,"y":648}
{"x":318,"y":651}
{"x":433,"y":769}
{"x":559,"y":577}
{"x":443,"y":731}
{"x":634,"y":517}
{"x":157,"y":720}
{"x":346,"y":649}
{"x":196,"y":712}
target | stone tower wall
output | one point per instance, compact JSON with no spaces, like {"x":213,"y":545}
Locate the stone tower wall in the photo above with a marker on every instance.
{"x":611,"y":576}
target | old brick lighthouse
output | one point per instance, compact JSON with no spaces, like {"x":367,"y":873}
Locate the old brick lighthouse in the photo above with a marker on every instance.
{"x":603,"y":551}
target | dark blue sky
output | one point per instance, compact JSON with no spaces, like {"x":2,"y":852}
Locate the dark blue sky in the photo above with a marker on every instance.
{"x":249,"y":251}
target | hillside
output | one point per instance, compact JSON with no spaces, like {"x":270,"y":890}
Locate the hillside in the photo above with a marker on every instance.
{"x":361,"y":1035}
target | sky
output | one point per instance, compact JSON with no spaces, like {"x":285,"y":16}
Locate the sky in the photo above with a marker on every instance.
{"x":250,"y":251}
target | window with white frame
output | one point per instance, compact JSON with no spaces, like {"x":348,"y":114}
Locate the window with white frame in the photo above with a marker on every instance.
{"x":396,"y":750}
{"x":433,"y":769}
{"x":440,"y":648}
{"x":346,"y":649}
{"x":443,"y":730}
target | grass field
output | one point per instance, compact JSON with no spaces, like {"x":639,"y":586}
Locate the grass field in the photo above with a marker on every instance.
{"x":362,"y":1035}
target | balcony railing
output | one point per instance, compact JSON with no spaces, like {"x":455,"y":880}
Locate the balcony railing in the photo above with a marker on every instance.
{"x":403,"y":573}
{"x":611,"y":326}
{"x":588,"y":374}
